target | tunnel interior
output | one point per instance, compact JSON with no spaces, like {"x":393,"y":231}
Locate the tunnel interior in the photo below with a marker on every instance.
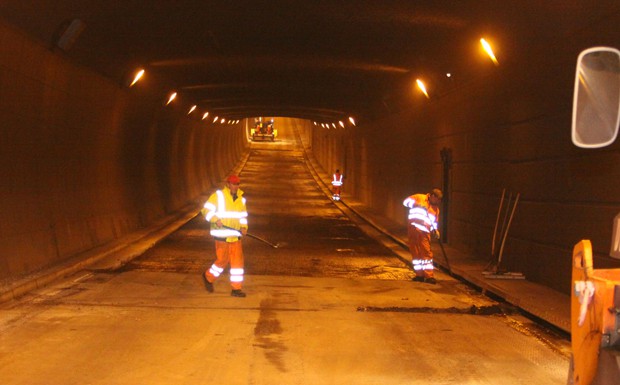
{"x":89,"y":159}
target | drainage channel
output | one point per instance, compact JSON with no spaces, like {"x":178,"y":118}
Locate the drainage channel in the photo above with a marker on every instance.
{"x":472,"y":310}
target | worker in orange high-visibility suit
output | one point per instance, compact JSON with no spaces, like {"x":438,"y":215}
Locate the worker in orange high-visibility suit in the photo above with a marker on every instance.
{"x":336,"y":185}
{"x":226,"y":211}
{"x":423,"y":216}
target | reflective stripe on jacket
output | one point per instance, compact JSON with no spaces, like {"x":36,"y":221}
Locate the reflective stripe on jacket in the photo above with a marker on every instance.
{"x":421,"y":214}
{"x":232,"y":213}
{"x":337,"y":180}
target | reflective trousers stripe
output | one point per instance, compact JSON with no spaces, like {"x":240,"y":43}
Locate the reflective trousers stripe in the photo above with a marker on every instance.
{"x":422,"y":264}
{"x":236,"y":275}
{"x":215,"y":270}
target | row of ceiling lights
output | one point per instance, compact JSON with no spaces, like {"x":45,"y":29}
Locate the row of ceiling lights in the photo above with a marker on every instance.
{"x":173,"y":95}
{"x":419,"y":83}
{"x":333,"y":125}
{"x":486,"y":46}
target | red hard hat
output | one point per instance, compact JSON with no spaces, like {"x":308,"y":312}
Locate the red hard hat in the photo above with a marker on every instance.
{"x":234,"y":179}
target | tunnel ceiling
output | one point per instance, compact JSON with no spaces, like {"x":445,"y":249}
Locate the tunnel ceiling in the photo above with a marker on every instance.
{"x":319,"y":60}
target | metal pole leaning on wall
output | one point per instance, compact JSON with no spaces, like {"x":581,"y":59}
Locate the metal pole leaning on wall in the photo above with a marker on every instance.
{"x":495,"y":272}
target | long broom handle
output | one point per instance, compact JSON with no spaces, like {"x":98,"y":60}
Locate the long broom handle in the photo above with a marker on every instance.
{"x":499,"y":212}
{"x":501,"y":250}
{"x":262,"y":240}
{"x":506,"y":214}
{"x":253,"y":236}
{"x":445,"y":257}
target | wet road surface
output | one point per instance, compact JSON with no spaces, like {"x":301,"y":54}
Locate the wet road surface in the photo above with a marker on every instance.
{"x":329,"y":305}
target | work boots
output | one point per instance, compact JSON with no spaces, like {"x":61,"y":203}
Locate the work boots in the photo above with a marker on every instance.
{"x":208,"y":285}
{"x":430,"y":280}
{"x":237,"y":293}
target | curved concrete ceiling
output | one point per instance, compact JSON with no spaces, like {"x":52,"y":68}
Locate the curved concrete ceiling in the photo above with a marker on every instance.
{"x":319,"y":60}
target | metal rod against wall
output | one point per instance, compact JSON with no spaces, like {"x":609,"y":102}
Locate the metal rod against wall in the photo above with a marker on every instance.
{"x":499,"y":212}
{"x":501,"y":249}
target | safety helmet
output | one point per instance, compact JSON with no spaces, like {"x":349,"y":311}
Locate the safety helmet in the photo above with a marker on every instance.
{"x":234,"y":179}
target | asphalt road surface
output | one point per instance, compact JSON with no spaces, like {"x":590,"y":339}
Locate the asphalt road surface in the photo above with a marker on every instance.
{"x":330,"y":305}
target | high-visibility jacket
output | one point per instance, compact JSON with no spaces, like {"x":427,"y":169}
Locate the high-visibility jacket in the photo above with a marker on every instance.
{"x":232,"y":213}
{"x":421,"y":214}
{"x":337,"y":179}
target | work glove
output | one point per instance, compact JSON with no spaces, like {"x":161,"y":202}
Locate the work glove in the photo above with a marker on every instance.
{"x":436,"y":234}
{"x":244,"y":231}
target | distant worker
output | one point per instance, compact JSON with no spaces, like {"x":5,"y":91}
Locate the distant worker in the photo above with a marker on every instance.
{"x":270,"y":126}
{"x":336,"y":185}
{"x":423,"y":216}
{"x":225,"y":210}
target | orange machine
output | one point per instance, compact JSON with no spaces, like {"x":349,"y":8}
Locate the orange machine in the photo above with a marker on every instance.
{"x":595,"y":321}
{"x":595,"y":298}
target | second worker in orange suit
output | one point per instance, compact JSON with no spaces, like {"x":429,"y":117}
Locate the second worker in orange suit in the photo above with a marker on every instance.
{"x":423,"y":216}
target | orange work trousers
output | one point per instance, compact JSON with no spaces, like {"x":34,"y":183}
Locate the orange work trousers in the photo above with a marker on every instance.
{"x":336,"y":190}
{"x":421,"y":254}
{"x":227,"y":252}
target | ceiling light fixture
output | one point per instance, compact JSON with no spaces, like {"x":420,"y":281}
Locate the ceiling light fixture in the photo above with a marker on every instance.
{"x":489,"y":50}
{"x":137,"y":77}
{"x":171,"y":98}
{"x":422,"y":87}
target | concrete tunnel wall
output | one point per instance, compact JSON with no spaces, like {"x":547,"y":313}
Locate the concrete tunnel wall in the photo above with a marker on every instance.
{"x":85,"y":162}
{"x":508,"y":128}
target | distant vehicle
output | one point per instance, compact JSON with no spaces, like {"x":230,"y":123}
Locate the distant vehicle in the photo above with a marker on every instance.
{"x":595,"y":293}
{"x":263,"y":130}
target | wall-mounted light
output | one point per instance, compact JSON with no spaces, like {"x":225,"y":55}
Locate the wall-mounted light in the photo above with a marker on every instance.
{"x":204,"y":116}
{"x":352,"y":120}
{"x":215,"y":119}
{"x":487,"y":48}
{"x":422,"y":87}
{"x":171,"y":98}
{"x":223,"y":121}
{"x":137,"y":77}
{"x":341,"y":123}
{"x":192,"y":108}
